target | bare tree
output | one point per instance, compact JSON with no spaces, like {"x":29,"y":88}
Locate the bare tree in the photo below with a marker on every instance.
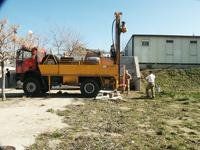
{"x":29,"y":41}
{"x":42,"y":41}
{"x":7,"y":38}
{"x":66,"y":41}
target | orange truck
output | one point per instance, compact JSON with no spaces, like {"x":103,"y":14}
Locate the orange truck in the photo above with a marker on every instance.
{"x":40,"y":71}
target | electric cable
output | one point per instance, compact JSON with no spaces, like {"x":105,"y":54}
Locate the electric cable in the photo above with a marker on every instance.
{"x":112,"y":32}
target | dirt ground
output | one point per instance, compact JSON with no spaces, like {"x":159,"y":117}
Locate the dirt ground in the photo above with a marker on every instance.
{"x":22,"y":119}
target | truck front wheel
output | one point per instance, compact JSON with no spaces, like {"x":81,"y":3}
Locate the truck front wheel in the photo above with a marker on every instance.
{"x":89,"y":88}
{"x":31,"y":87}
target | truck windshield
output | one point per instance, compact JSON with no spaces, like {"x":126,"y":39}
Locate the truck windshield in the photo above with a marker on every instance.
{"x":23,"y":54}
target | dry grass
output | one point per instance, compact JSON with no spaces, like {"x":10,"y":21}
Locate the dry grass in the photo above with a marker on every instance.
{"x":171,"y":121}
{"x":163,"y":123}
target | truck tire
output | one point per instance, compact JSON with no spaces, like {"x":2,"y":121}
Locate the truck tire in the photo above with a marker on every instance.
{"x":89,"y":88}
{"x":31,"y":87}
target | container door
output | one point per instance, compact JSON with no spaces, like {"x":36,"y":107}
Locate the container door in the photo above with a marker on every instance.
{"x":169,"y":51}
{"x":193,"y":52}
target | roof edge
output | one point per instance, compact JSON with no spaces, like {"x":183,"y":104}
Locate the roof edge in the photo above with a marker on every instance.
{"x":167,"y":35}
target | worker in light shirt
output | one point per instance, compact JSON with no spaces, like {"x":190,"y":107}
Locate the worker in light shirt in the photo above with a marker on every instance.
{"x":151,"y":84}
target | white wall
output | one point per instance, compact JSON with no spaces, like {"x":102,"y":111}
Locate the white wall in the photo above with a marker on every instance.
{"x":158,"y":51}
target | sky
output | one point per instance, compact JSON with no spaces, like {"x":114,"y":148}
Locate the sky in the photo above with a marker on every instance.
{"x":92,"y":19}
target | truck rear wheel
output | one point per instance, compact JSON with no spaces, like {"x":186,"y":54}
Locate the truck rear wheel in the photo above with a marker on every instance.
{"x":31,"y":87}
{"x":89,"y":88}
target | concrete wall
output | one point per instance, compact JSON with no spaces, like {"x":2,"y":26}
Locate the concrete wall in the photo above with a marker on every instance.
{"x":132,"y":66}
{"x":128,"y":49}
{"x":128,"y":62}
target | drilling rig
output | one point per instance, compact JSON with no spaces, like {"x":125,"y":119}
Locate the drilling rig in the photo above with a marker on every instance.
{"x":40,"y":71}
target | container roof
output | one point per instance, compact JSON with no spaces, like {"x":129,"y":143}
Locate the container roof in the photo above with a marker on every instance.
{"x":168,"y":36}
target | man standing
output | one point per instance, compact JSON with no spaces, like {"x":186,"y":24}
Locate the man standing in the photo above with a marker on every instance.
{"x":128,"y":77}
{"x":8,"y":77}
{"x":151,"y":84}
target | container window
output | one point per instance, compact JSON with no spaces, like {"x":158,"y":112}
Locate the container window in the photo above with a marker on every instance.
{"x":169,"y":41}
{"x":193,"y":42}
{"x":145,"y":43}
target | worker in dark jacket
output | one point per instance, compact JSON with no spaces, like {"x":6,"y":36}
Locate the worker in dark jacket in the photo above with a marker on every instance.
{"x":8,"y":77}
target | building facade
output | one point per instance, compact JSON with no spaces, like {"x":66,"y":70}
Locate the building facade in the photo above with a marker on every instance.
{"x":164,"y":49}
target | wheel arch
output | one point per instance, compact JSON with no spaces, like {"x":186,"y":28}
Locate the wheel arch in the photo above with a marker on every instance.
{"x":32,"y":74}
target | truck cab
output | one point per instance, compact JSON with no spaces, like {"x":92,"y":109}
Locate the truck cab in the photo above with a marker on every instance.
{"x":27,"y":61}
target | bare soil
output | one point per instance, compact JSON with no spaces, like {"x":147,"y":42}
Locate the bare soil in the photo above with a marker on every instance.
{"x":22,"y":119}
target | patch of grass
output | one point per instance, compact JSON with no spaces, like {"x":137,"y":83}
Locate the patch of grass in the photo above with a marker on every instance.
{"x":60,"y":113}
{"x":41,"y":142}
{"x":56,"y":134}
{"x":151,"y":124}
{"x":170,"y":121}
{"x":182,"y":99}
{"x":176,"y":80}
{"x":50,"y":110}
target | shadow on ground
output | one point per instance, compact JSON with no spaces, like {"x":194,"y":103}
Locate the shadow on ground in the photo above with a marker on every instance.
{"x":46,"y":95}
